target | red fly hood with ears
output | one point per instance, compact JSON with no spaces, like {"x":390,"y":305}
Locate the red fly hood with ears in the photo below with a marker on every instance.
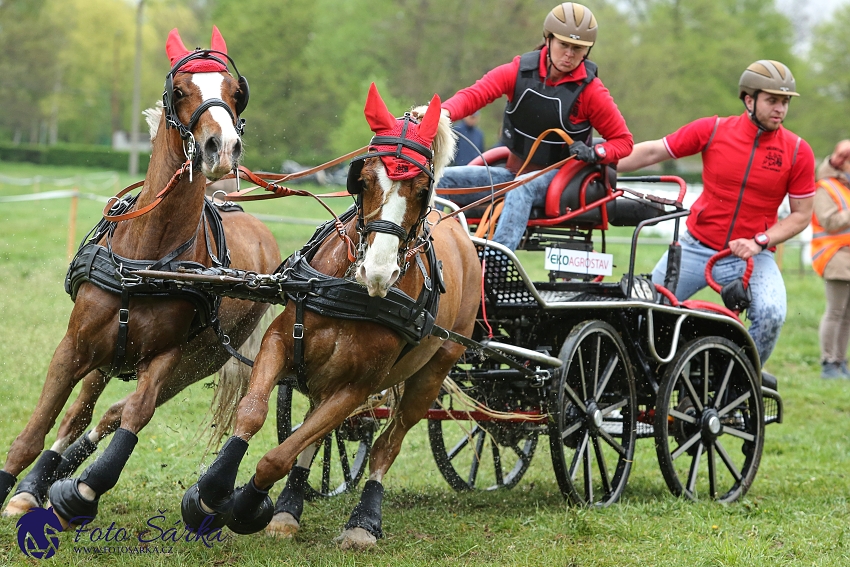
{"x":175,"y":50}
{"x":383,"y":123}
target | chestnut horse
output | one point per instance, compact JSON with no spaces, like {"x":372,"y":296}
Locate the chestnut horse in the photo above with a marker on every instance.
{"x":342,"y":360}
{"x":197,"y":135}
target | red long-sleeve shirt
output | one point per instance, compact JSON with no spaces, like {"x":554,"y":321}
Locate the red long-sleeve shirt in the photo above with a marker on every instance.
{"x":594,"y":104}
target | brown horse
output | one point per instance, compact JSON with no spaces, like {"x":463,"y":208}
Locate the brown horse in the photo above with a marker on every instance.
{"x":345,"y":360}
{"x":167,"y":345}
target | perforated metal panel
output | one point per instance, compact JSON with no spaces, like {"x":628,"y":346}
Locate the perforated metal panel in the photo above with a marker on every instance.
{"x":502,"y":281}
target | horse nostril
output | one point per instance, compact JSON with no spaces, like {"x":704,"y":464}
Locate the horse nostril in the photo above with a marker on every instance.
{"x":212,"y":145}
{"x":237,"y":149}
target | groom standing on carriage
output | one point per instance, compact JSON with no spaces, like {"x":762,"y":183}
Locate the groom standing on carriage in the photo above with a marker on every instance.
{"x":750,"y":163}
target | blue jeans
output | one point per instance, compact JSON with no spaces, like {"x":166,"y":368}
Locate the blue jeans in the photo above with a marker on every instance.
{"x":767,"y":311}
{"x":518,"y":201}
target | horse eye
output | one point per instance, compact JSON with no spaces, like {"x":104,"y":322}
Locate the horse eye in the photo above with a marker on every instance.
{"x":178,"y":94}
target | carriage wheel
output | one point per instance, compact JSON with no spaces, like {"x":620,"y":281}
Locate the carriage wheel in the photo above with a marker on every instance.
{"x":709,"y":421}
{"x":343,"y":453}
{"x":486,"y":455}
{"x":592,"y":416}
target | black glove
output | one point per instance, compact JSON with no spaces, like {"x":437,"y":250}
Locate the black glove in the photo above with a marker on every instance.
{"x":583,"y":152}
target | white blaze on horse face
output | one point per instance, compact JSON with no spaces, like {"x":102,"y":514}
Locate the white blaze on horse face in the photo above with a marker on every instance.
{"x":224,"y":161}
{"x":379,"y":269}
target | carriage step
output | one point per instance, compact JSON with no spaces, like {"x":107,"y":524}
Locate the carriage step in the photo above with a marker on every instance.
{"x":523,"y":353}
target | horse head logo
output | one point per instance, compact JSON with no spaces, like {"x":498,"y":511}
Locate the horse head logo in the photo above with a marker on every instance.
{"x":38,"y":533}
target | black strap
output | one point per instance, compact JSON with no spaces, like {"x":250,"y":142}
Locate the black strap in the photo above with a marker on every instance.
{"x":120,"y":354}
{"x":298,"y":342}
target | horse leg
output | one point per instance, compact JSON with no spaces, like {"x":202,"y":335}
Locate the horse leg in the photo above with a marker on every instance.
{"x":364,"y":526}
{"x":290,"y":503}
{"x":32,"y":490}
{"x":79,"y":498}
{"x":67,"y":367}
{"x":208,"y":502}
{"x":252,"y":508}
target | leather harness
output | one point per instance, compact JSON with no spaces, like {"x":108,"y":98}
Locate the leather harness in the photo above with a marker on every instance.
{"x":102,"y":267}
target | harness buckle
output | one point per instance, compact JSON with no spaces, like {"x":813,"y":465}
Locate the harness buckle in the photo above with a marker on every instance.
{"x":298,"y":331}
{"x":123,"y":316}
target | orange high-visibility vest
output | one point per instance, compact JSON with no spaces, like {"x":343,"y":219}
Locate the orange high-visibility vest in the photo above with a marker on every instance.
{"x":824,"y":244}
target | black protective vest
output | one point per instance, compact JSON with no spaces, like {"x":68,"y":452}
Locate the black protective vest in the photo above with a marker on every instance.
{"x":536,"y":107}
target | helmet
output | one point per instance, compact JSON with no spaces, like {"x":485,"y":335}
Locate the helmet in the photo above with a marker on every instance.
{"x":768,"y":76}
{"x":571,"y":22}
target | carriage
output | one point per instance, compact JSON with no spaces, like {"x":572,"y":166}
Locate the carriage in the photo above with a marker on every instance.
{"x":594,"y":365}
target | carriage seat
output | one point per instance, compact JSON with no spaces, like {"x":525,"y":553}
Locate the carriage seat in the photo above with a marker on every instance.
{"x":578,"y":185}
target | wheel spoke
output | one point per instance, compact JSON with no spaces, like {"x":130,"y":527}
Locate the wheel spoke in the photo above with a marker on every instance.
{"x":497,"y":464}
{"x":724,"y":456}
{"x":603,"y":469}
{"x":683,"y":416}
{"x":722,"y":390}
{"x":476,"y":458}
{"x":461,"y":444}
{"x":343,"y":460}
{"x":613,"y":442}
{"x":596,"y":365}
{"x":705,"y":373}
{"x":687,"y":445}
{"x":745,"y":396}
{"x":583,"y":377}
{"x":588,"y":474}
{"x":574,"y":397}
{"x":692,"y":391}
{"x":609,"y":371}
{"x":738,"y":433}
{"x":519,"y":453}
{"x":577,"y":457}
{"x":608,"y":409}
{"x":326,"y":464}
{"x":571,"y":429}
{"x":712,"y":472}
{"x":693,"y":473}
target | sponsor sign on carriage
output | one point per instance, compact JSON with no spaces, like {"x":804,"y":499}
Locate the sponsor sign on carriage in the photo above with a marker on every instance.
{"x":579,"y":261}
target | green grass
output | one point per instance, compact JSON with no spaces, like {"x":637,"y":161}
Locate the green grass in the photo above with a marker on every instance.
{"x":796,"y":513}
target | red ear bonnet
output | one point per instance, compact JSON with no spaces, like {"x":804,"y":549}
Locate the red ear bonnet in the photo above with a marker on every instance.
{"x":175,"y":50}
{"x":383,"y":123}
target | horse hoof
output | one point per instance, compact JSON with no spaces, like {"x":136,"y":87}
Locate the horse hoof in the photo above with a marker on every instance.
{"x":20,"y":503}
{"x":195,"y":517}
{"x":69,"y":504}
{"x":253,"y":509}
{"x":283,"y":526}
{"x":356,"y":539}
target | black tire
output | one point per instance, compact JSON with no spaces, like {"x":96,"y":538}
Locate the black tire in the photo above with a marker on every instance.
{"x":709,"y":402}
{"x":488,"y":455}
{"x":592,"y":413}
{"x":343,"y":454}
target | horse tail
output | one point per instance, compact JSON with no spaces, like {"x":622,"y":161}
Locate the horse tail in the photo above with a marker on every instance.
{"x":232,"y":383}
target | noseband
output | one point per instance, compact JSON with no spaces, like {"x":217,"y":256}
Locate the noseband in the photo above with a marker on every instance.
{"x":173,"y":121}
{"x":355,"y":185}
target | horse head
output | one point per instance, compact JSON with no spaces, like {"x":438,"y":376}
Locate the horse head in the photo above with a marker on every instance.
{"x":202,"y":101}
{"x":394,"y":184}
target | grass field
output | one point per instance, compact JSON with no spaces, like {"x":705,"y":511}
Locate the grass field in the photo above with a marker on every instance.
{"x":796,"y":513}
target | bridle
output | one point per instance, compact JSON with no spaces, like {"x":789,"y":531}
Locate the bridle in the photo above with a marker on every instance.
{"x":355,"y":185}
{"x":173,"y":121}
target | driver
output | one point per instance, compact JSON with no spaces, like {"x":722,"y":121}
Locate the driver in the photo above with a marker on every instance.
{"x":750,"y":163}
{"x":554,"y":86}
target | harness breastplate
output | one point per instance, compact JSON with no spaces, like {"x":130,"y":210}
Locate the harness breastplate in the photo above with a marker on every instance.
{"x":536,"y":107}
{"x":98,"y":265}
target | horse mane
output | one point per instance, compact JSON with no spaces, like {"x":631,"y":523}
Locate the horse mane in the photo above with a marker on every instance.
{"x":444,"y":145}
{"x":153,"y":116}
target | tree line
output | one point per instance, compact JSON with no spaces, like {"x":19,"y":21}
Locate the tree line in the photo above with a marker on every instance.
{"x":66,"y":66}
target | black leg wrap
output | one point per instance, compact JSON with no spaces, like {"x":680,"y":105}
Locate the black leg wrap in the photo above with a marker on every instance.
{"x":252,"y":509}
{"x":216,"y":485}
{"x":75,"y":455}
{"x":291,"y":500}
{"x":66,"y":500}
{"x":103,"y":474}
{"x":7,"y":483}
{"x":367,"y":513}
{"x":41,"y":476}
{"x":195,"y":517}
